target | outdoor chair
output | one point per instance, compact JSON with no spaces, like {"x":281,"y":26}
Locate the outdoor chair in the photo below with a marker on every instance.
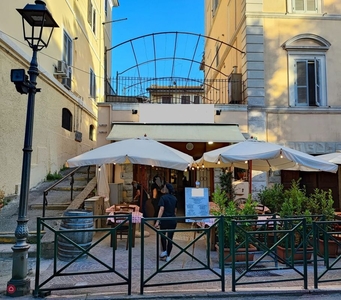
{"x":123,"y":230}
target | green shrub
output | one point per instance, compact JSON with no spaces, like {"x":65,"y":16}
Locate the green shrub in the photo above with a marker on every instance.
{"x":226,"y":179}
{"x":272,"y":197}
{"x":296,"y":202}
{"x":231,"y":211}
{"x":321,"y":203}
{"x":54,"y":176}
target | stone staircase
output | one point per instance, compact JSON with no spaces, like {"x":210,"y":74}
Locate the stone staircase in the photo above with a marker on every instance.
{"x":59,"y":198}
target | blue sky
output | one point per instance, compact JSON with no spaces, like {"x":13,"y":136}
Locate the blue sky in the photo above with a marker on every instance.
{"x":152,"y":16}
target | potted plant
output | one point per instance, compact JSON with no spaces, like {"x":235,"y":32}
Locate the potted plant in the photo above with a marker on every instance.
{"x":272,"y":197}
{"x":322,"y":202}
{"x":226,"y":185}
{"x":230,"y":211}
{"x":314,"y":207}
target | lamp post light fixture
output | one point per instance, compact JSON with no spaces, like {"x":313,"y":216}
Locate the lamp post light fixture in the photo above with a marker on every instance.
{"x":35,"y":17}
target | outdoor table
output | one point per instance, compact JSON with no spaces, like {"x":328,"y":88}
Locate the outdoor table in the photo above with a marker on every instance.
{"x":136,"y":219}
{"x":118,"y":207}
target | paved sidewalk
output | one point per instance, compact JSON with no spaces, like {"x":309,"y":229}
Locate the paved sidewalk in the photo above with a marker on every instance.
{"x":103,"y":251}
{"x":79,"y":283}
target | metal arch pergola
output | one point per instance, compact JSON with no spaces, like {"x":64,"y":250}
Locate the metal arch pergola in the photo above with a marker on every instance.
{"x":192,"y":59}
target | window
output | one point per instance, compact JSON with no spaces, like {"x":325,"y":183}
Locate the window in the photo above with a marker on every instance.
{"x":307,"y":70}
{"x":185,"y":99}
{"x":92,"y":16}
{"x":166,"y":99}
{"x":307,"y":81}
{"x":66,"y":119}
{"x":304,"y":6}
{"x":196,"y":99}
{"x":91,"y":132}
{"x":67,"y":57}
{"x":92,"y":84}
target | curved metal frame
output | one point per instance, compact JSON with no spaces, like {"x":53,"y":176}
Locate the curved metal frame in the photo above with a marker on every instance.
{"x":177,"y":33}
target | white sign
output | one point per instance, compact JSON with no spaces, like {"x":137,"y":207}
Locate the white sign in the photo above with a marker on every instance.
{"x":196,"y":203}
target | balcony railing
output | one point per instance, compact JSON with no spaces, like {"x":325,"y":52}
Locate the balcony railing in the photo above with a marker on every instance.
{"x":175,"y":90}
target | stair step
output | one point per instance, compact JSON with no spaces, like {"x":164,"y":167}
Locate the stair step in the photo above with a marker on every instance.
{"x":54,"y":206}
{"x":9,"y":238}
{"x":68,"y":188}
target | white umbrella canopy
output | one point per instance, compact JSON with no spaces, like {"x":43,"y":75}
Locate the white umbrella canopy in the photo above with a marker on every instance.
{"x":263,"y":156}
{"x":141,"y":151}
{"x":334,"y":157}
{"x":103,"y":184}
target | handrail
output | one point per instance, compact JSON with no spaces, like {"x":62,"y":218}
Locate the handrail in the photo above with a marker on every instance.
{"x":45,"y":193}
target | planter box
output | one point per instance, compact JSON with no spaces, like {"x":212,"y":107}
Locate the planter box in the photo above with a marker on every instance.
{"x":297,"y":256}
{"x":334,"y":249}
{"x":240,"y":254}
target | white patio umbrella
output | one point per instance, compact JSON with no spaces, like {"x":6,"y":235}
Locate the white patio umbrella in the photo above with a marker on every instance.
{"x":334,"y":157}
{"x":103,"y":184}
{"x":141,"y":151}
{"x":262,"y":156}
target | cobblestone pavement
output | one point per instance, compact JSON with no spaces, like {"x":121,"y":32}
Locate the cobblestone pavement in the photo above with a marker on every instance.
{"x":79,"y":284}
{"x":182,"y":268}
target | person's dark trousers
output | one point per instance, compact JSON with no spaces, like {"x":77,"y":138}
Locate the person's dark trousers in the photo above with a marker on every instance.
{"x":165,"y":243}
{"x":155,"y":203}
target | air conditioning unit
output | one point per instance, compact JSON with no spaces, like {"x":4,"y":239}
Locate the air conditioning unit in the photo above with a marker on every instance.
{"x":61,"y":68}
{"x":66,"y":81}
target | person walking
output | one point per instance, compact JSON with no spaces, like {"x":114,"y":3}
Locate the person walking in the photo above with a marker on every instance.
{"x":156,"y":193}
{"x":167,"y":209}
{"x":141,"y":197}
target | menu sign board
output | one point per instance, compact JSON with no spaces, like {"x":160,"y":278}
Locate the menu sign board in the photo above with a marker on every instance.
{"x":196,"y":203}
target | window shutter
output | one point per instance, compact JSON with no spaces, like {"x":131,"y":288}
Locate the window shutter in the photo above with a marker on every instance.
{"x":92,"y":84}
{"x":298,"y":4}
{"x":94,"y":21}
{"x":317,"y":83}
{"x":90,"y":12}
{"x":311,"y":5}
{"x":302,"y":82}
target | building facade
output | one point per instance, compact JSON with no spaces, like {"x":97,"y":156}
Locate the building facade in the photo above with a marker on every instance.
{"x":279,"y":60}
{"x":288,"y":68}
{"x":71,"y":79}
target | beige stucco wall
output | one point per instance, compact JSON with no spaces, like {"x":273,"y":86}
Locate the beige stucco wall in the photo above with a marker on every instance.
{"x":303,"y":127}
{"x":260,"y":28}
{"x":276,"y":121}
{"x":52,"y":144}
{"x":276,"y":63}
{"x":223,"y":27}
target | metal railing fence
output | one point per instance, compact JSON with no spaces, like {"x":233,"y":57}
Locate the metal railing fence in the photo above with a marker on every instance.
{"x":327,"y":244}
{"x":72,"y":267}
{"x":280,"y":247}
{"x":201,"y":263}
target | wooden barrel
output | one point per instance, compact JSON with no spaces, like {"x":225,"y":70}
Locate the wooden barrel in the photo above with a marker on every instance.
{"x":66,"y":250}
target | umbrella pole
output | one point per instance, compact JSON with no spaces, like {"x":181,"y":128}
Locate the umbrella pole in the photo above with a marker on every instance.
{"x":250,"y":175}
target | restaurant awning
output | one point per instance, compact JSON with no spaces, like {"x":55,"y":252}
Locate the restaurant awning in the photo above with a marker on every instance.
{"x":229,"y":133}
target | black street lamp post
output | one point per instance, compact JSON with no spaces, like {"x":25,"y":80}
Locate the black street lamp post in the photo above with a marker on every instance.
{"x":38,"y":17}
